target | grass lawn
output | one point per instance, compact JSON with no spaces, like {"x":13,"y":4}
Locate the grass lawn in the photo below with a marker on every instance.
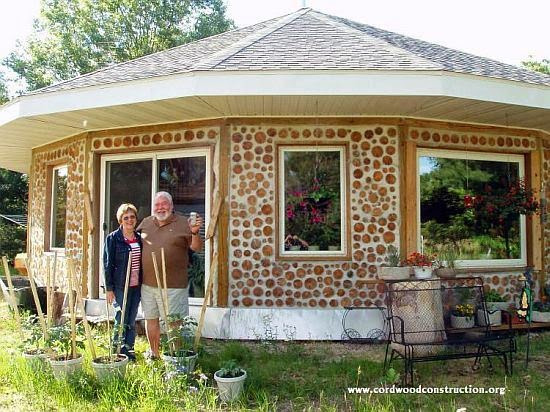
{"x":282,"y":376}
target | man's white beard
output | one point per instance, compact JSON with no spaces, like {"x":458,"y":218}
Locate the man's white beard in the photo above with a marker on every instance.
{"x":162,"y":216}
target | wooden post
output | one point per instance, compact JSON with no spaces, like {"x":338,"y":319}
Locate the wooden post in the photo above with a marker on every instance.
{"x":124,"y":302}
{"x":80,"y":301}
{"x":165,"y":296}
{"x":48,"y":293}
{"x":12,"y":296}
{"x":207,"y":293}
{"x":37,"y":301}
{"x":89,"y":213}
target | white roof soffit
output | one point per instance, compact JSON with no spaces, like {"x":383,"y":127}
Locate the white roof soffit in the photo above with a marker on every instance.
{"x":41,"y":118}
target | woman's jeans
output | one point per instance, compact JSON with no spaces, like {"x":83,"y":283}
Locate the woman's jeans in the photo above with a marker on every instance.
{"x":129,"y":332}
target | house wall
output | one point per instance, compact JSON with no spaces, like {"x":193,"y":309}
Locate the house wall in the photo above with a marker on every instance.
{"x":244,"y":167}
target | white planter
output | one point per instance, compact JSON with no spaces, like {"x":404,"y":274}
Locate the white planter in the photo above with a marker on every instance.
{"x":423,"y":272}
{"x":446,"y":272}
{"x":104,"y":370}
{"x":537,"y":316}
{"x":313,"y":247}
{"x":494,"y":317}
{"x":62,"y":368}
{"x":230,"y":388}
{"x":394,"y":273}
{"x":36,"y":361}
{"x":462,"y":322}
{"x":181,"y":364}
{"x":334,"y":248}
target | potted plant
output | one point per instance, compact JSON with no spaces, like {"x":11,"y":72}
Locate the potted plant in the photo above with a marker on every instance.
{"x":112,"y":364}
{"x":490,"y":311}
{"x":230,"y":379}
{"x":540,"y":312}
{"x":422,"y":265}
{"x":495,"y":301}
{"x":393,"y":270}
{"x":177,"y":345}
{"x":64,"y":360}
{"x":447,"y":259}
{"x":462,"y":316}
{"x":33,"y":343}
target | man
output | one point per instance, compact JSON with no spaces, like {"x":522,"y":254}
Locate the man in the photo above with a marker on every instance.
{"x":176,"y":235}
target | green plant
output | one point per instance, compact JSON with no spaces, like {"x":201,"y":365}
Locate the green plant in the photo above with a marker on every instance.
{"x":179,"y":339}
{"x":466,"y":310}
{"x":230,"y":369}
{"x":448,"y":256}
{"x":33,"y":341}
{"x":59,"y":339}
{"x":394,"y":258}
{"x":493,"y":296}
{"x":391,"y":377}
{"x":541,"y":307}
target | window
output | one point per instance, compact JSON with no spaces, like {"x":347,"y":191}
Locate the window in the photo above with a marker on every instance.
{"x":312,"y":201}
{"x":58,"y":207}
{"x":470,"y":206}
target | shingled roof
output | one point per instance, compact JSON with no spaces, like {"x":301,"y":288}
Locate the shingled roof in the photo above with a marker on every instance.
{"x":304,"y":40}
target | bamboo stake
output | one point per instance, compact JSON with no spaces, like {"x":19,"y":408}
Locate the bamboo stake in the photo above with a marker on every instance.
{"x":159,"y":286}
{"x":54,"y":272}
{"x":12,"y":296}
{"x":73,"y":316}
{"x":213,"y":274}
{"x":77,"y":281}
{"x":123,"y":314}
{"x":48,"y":293}
{"x":37,"y":301}
{"x":165,"y":294}
{"x":108,"y":320}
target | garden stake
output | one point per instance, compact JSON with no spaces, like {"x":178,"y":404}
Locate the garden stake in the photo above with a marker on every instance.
{"x":12,"y":296}
{"x":48,"y":293}
{"x":52,"y":291}
{"x":108,"y":321}
{"x":73,"y":318}
{"x":207,"y":293}
{"x":80,"y":301}
{"x":159,"y":286}
{"x":122,"y":315}
{"x":165,"y":293}
{"x":36,"y":300}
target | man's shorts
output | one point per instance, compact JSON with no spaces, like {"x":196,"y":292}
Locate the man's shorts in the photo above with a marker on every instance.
{"x":151,"y":302}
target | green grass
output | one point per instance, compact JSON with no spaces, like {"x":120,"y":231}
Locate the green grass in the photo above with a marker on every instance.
{"x":282,"y":376}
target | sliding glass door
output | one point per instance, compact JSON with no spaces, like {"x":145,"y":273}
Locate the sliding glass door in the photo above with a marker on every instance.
{"x":135,"y":178}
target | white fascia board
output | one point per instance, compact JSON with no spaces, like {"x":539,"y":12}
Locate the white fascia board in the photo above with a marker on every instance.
{"x":290,"y":83}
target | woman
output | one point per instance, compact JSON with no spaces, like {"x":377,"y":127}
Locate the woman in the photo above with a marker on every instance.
{"x":115,"y":262}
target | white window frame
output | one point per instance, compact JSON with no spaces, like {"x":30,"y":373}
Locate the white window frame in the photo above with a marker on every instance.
{"x":493,"y":157}
{"x":155,"y":156}
{"x":53,"y":213}
{"x":343,"y":201}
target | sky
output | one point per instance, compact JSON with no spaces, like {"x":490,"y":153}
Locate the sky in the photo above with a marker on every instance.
{"x":505,"y":30}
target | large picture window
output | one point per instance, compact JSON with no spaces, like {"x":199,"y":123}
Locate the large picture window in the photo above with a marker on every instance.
{"x":58,"y":209}
{"x":312,"y":200}
{"x":471,"y":207}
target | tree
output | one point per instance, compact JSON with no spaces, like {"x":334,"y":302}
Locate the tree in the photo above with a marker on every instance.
{"x":13,"y":200}
{"x":74,"y":37}
{"x":3,"y":90}
{"x":542,"y":66}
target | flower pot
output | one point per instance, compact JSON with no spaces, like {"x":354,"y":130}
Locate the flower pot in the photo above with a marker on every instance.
{"x":537,"y":316}
{"x":462,"y":322}
{"x":313,"y":247}
{"x":423,"y":272}
{"x":61,"y":368}
{"x":181,"y":364}
{"x":394,"y":272}
{"x":230,"y":388}
{"x":104,"y":367}
{"x":295,"y":248}
{"x":493,"y":316}
{"x":446,"y":272}
{"x":334,"y":248}
{"x":36,"y":360}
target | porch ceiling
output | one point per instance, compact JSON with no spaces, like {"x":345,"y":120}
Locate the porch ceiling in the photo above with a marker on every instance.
{"x":18,"y":136}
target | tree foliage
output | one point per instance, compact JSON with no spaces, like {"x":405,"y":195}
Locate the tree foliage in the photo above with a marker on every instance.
{"x":3,"y":90}
{"x":542,"y":66}
{"x":74,"y":37}
{"x":13,"y":192}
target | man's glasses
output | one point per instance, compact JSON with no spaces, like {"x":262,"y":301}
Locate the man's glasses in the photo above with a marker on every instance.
{"x":129,"y":218}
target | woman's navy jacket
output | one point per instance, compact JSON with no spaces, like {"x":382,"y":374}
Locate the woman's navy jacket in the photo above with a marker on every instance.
{"x":115,"y":259}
